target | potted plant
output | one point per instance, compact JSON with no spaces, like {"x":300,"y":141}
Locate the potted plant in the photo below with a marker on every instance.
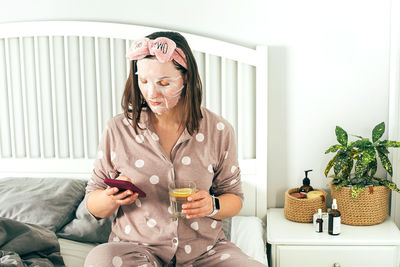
{"x":359,"y":206}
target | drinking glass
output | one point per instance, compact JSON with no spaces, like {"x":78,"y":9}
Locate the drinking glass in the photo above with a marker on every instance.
{"x":178,"y":192}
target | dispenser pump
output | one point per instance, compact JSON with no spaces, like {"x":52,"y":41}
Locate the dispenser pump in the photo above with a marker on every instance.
{"x":306,"y":180}
{"x":334,"y":204}
{"x":306,"y":187}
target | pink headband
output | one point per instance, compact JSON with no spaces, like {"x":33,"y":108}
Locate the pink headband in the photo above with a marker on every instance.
{"x":164,"y":49}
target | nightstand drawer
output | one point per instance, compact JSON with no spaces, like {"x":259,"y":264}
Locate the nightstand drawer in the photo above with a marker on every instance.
{"x":344,"y":256}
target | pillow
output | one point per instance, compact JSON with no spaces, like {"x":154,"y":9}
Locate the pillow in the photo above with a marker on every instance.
{"x":226,"y":227}
{"x":48,"y":202}
{"x":86,"y":228}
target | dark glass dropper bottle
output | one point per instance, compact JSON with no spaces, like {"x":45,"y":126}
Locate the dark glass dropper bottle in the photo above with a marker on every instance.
{"x":334,"y":220}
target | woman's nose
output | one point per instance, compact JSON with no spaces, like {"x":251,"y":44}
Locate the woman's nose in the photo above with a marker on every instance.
{"x":152,"y":91}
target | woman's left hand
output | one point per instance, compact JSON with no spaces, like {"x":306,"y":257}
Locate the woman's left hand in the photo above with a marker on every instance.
{"x":200,"y":205}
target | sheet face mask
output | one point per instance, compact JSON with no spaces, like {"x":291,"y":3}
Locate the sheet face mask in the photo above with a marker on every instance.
{"x":161,"y":84}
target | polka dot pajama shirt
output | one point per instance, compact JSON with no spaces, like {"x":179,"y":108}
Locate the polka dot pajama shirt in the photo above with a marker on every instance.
{"x":145,"y":233}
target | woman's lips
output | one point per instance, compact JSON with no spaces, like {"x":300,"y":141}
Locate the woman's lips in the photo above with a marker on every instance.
{"x":154,"y":103}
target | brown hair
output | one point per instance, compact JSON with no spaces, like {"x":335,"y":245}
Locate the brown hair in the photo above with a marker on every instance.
{"x":132,"y":100}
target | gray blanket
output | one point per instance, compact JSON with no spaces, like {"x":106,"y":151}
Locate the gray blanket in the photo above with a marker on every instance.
{"x":23,"y":244}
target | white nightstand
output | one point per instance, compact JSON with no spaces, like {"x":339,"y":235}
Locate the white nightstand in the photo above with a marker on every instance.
{"x":297,"y":244}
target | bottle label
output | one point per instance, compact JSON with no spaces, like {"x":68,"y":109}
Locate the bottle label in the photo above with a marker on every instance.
{"x":336,"y":225}
{"x":319,"y":227}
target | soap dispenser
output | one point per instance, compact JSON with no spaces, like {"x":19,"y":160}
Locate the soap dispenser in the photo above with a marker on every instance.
{"x":306,"y":187}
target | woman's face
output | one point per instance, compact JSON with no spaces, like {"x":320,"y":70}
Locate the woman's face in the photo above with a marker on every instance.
{"x":161,"y":84}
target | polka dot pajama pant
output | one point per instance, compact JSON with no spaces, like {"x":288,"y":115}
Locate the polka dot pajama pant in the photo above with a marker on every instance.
{"x":120,"y":254}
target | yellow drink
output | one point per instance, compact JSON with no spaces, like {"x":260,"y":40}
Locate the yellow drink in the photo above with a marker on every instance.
{"x":178,"y":196}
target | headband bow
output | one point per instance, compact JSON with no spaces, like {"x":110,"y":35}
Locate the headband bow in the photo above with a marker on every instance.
{"x":164,"y":49}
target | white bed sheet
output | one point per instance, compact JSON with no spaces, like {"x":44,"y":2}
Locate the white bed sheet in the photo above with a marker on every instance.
{"x":247,"y":232}
{"x":73,"y":252}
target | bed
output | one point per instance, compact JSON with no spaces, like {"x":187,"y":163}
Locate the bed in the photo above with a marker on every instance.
{"x":60,"y":81}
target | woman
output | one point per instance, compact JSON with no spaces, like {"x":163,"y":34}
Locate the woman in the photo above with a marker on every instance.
{"x":165,"y":135}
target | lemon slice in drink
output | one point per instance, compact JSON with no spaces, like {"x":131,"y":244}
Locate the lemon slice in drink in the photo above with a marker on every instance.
{"x":182,"y":192}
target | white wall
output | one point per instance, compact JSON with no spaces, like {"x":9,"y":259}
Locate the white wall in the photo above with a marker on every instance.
{"x":328,"y":63}
{"x":394,"y":102}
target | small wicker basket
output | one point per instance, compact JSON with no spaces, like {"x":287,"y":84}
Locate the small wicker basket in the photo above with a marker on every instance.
{"x":369,"y":208}
{"x":303,"y":209}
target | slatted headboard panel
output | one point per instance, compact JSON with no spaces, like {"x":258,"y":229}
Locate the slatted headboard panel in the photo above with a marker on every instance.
{"x":60,"y":81}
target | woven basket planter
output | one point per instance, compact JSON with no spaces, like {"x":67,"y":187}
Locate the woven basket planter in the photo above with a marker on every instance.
{"x":369,"y":208}
{"x":303,"y":209}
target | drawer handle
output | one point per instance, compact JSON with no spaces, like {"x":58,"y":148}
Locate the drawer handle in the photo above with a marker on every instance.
{"x":336,"y":264}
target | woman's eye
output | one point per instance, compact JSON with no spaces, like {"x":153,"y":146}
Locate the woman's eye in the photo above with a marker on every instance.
{"x":163,"y":83}
{"x":142,"y":80}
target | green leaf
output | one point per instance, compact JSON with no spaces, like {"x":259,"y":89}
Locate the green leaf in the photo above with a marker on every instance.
{"x":373,"y":165}
{"x":339,"y":163}
{"x":369,"y":155}
{"x":360,"y":167}
{"x":355,"y":153}
{"x":378,"y":131}
{"x":382,"y":149}
{"x":385,"y":162}
{"x":361,"y":143}
{"x":387,"y":143}
{"x":333,"y":148}
{"x":356,"y":190}
{"x":341,"y":136}
{"x":330,"y":164}
{"x":347,"y":168}
{"x":391,"y":185}
{"x":376,"y":181}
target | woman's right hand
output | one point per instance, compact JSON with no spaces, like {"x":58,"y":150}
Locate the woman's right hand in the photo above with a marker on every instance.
{"x":124,"y":198}
{"x":103,"y":203}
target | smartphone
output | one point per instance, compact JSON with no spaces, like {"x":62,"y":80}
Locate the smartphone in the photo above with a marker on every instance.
{"x":123,"y":185}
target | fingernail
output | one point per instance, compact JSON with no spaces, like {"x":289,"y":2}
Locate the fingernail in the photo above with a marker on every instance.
{"x":189,"y":198}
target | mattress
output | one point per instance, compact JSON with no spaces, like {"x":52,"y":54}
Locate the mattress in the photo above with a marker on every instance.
{"x":247,"y":232}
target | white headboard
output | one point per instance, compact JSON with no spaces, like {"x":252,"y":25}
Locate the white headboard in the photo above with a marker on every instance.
{"x":60,"y":81}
